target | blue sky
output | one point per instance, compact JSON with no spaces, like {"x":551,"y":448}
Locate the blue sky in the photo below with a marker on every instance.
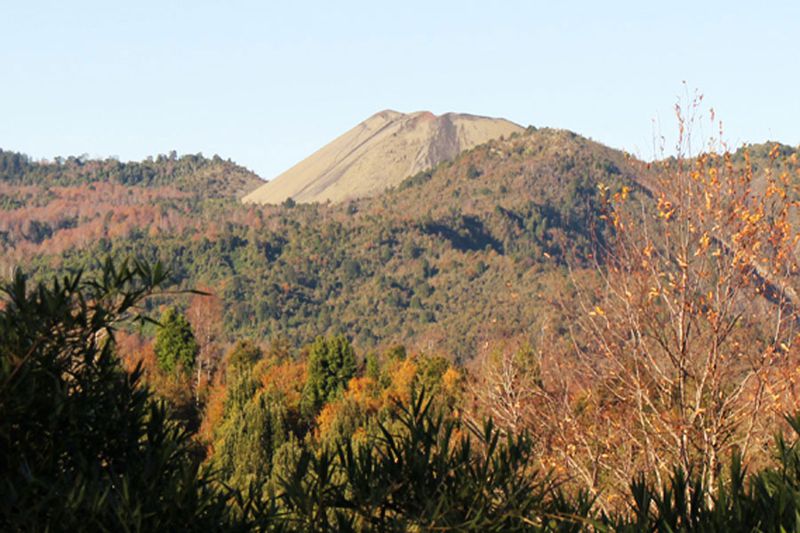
{"x":267,"y":83}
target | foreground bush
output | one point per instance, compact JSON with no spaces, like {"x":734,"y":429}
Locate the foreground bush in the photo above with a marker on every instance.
{"x":82,"y":445}
{"x":424,"y":476}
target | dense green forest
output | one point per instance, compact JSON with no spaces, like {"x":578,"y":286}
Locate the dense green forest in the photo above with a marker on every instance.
{"x":467,"y":251}
{"x":472,"y":250}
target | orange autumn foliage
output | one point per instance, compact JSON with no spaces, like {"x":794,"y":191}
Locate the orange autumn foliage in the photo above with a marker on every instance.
{"x":215,"y":408}
{"x":402,"y":375}
{"x":286,"y":377}
{"x":359,"y":397}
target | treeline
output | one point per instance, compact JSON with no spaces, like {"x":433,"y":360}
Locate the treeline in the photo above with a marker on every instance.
{"x":164,"y":170}
{"x":86,"y":446}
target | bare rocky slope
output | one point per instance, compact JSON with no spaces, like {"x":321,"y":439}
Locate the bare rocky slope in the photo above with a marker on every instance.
{"x":380,"y":153}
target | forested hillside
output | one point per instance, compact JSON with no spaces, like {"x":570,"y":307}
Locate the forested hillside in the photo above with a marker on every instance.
{"x":82,"y":205}
{"x":454,"y":257}
{"x":469,"y":251}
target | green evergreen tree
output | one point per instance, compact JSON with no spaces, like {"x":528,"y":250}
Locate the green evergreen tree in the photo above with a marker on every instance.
{"x":373,"y":367}
{"x":175,"y":346}
{"x":241,"y":385}
{"x":331,"y":364}
{"x":247,"y":441}
{"x":244,"y":355}
{"x":253,"y":427}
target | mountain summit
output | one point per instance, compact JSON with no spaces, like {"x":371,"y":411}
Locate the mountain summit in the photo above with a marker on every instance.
{"x":380,"y":153}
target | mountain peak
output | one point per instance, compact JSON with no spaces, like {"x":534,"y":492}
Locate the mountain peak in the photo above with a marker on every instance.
{"x":379,"y":153}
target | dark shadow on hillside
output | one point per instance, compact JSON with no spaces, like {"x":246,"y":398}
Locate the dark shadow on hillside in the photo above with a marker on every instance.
{"x":467,"y":233}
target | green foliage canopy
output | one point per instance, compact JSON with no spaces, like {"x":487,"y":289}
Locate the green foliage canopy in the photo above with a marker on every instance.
{"x":253,"y":427}
{"x":176,"y":347}
{"x":331,"y":364}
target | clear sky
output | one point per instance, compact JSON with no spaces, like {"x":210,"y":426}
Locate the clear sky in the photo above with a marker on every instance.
{"x":266,"y":83}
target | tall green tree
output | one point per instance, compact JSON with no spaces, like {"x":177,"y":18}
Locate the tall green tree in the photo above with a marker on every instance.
{"x":176,"y":346}
{"x":331,"y":364}
{"x":253,"y":425}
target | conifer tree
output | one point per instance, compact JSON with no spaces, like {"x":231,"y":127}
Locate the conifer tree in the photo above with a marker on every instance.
{"x":254,"y":424}
{"x":331,"y":364}
{"x":176,"y":346}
